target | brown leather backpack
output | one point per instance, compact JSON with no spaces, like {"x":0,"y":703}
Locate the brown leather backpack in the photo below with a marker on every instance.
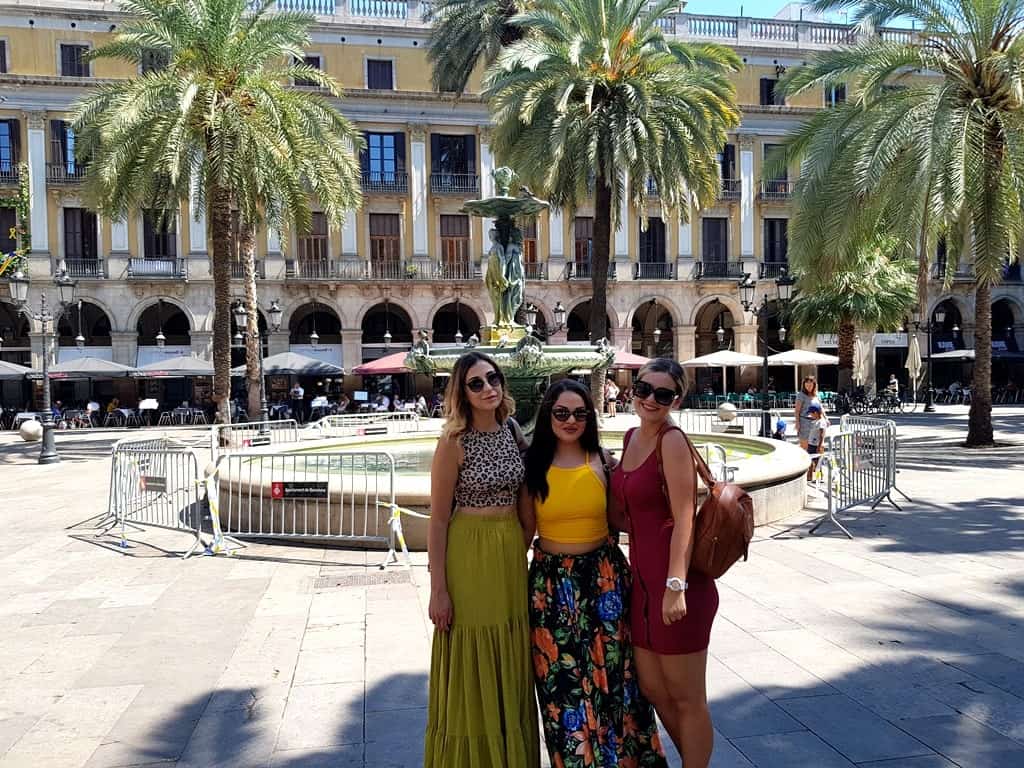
{"x":725,"y":521}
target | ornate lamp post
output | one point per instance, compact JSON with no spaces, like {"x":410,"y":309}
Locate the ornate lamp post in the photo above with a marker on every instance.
{"x":19,"y":284}
{"x":274,"y":314}
{"x":784,"y":284}
{"x":939,"y":317}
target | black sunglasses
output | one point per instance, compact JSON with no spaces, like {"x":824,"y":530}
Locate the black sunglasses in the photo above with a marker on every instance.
{"x":561,"y":413}
{"x":494,"y":379}
{"x":662,"y":395}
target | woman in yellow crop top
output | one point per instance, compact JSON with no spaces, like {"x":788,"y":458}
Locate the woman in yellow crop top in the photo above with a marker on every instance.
{"x":591,"y":707}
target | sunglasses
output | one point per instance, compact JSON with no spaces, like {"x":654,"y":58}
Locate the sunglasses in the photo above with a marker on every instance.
{"x":494,"y":380}
{"x":561,"y":413}
{"x":662,"y":395}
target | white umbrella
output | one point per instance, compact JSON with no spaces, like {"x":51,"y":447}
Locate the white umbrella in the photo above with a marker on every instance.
{"x":860,"y":361}
{"x":798,"y":357}
{"x":726,"y":358}
{"x":914,"y":365}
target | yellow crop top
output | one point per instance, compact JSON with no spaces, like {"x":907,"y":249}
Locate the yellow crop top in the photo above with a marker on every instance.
{"x":575,"y":511}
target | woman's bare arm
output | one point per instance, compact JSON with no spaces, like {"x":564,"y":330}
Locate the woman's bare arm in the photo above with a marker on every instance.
{"x":527,"y":515}
{"x":680,"y":484}
{"x":444,"y":472}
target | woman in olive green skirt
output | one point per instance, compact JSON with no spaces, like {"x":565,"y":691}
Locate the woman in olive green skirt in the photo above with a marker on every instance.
{"x":482,"y":711}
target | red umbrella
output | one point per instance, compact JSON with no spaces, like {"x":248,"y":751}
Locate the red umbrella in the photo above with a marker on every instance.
{"x":393,"y":363}
{"x":629,"y":360}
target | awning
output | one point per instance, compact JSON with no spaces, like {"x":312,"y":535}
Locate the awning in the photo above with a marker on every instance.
{"x":802,"y":357}
{"x":968,"y":354}
{"x":382,"y":366}
{"x":13,"y":372}
{"x":294,"y":364}
{"x":726,"y":358}
{"x":86,"y":368}
{"x":628,"y":360}
{"x":175,"y":368}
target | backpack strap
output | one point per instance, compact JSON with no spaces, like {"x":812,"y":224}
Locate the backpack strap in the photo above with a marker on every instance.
{"x":699,"y":464}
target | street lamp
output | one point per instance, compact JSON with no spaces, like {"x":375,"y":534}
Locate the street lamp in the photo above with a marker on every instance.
{"x":748,"y":286}
{"x":530,"y":316}
{"x":66,"y":296}
{"x":939,"y":317}
{"x":80,"y":339}
{"x":559,"y":315}
{"x":274,"y":314}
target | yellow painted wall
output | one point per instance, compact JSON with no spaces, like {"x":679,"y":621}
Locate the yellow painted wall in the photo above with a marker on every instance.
{"x":35,"y":52}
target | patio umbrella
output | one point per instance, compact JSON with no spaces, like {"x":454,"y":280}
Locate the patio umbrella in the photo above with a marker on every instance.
{"x":12,"y":372}
{"x":628,"y":360}
{"x":179,"y":367}
{"x":861,"y":351}
{"x":294,"y":364}
{"x":723,"y":359}
{"x":86,"y":367}
{"x":914,"y":366}
{"x":798,"y":357}
{"x":968,"y":355}
{"x":393,"y":363}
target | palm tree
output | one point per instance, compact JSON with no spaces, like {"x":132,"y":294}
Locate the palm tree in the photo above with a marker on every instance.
{"x":467,"y":33}
{"x":593,"y":94}
{"x":928,"y":153}
{"x":220,"y":110}
{"x":875,"y":289}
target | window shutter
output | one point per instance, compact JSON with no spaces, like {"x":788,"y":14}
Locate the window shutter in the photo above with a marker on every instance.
{"x":89,"y":249}
{"x":3,"y":56}
{"x":470,"y":150}
{"x":400,"y":152}
{"x":364,"y":154}
{"x":15,"y":129}
{"x":58,"y":148}
{"x":435,"y":153}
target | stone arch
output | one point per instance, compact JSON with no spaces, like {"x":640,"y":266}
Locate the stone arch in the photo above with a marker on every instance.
{"x":298,"y":305}
{"x":577,"y":329}
{"x":166,"y":321}
{"x":613,"y":315}
{"x":469,"y":303}
{"x":1016,"y":306}
{"x":951,"y":298}
{"x":730,"y":302}
{"x":133,"y":319}
{"x":301,"y":323}
{"x":400,"y":325}
{"x":443,"y":325}
{"x":91,"y":324}
{"x":669,"y":305}
{"x":399,"y":302}
{"x":543,"y":310}
{"x":652,"y":329}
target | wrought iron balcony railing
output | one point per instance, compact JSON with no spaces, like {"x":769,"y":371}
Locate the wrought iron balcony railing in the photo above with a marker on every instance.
{"x":776,"y":191}
{"x":172,"y":268}
{"x":375,"y":182}
{"x":455,"y":183}
{"x":648,"y":270}
{"x":718,"y":270}
{"x":731,"y":189}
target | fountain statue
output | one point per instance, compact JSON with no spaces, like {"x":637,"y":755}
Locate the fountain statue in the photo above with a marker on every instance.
{"x":526,"y":362}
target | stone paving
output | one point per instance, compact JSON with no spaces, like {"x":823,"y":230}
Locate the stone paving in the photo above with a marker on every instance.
{"x":901,"y":649}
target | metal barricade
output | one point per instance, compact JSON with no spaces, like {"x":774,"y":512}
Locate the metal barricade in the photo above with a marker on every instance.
{"x":343,"y":497}
{"x":746,"y":422}
{"x":155,"y":483}
{"x":859,"y":468}
{"x":719,"y":466}
{"x":354,"y":424}
{"x":228,"y":438}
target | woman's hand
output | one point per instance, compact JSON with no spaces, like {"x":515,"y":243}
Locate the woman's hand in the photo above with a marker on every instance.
{"x":673,"y":607}
{"x":440,"y":610}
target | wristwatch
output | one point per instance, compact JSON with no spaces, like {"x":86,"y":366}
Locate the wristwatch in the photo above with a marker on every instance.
{"x":675,"y":584}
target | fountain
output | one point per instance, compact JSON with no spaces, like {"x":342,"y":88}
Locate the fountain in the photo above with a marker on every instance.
{"x":527,"y":363}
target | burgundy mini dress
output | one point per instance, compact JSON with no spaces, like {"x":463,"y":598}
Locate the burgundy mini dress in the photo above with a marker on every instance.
{"x":640,"y":494}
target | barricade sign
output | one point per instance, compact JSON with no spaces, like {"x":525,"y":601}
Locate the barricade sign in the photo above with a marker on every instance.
{"x":229,"y":438}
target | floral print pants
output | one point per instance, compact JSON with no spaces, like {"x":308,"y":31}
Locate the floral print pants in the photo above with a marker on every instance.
{"x":592,"y":709}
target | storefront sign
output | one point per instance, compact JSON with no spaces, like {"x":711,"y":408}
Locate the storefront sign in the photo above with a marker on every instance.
{"x":831,"y":340}
{"x":294,"y":489}
{"x":828,"y":340}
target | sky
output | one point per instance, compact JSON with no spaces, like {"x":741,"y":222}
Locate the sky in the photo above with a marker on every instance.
{"x":764,"y":9}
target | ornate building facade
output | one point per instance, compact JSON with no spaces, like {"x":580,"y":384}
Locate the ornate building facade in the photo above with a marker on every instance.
{"x":407,"y":259}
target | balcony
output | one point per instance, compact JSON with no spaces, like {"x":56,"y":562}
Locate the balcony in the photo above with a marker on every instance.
{"x":718,"y":270}
{"x":86,"y":269}
{"x":162,"y":268}
{"x":653,"y":270}
{"x":731,"y":189}
{"x":777,"y":191}
{"x":963,"y":271}
{"x":537,"y":270}
{"x":238,"y":270}
{"x":311,"y":269}
{"x":772,"y":270}
{"x":651,"y":189}
{"x":387,"y":269}
{"x":376,"y":183}
{"x":456,"y":270}
{"x":8,"y":175}
{"x":455,"y":183}
{"x":581,"y":270}
{"x":65,"y":173}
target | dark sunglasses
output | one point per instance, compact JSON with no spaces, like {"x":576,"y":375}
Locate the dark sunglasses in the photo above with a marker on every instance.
{"x":561,"y":413}
{"x":494,"y":379}
{"x":662,"y":395}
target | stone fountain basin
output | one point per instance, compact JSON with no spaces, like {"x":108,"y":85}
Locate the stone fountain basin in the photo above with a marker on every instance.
{"x":771,"y":471}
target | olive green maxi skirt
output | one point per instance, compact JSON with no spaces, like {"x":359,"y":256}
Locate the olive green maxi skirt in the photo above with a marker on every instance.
{"x":482,"y":711}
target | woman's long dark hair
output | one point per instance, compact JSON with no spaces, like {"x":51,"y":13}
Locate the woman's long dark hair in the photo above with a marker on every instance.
{"x":542,"y":449}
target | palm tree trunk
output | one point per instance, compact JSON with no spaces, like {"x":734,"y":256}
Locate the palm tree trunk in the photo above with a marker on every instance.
{"x":979,"y":421}
{"x":845,"y":345}
{"x":220,"y":235}
{"x":923,"y":263}
{"x":599,"y":259}
{"x":253,"y":343}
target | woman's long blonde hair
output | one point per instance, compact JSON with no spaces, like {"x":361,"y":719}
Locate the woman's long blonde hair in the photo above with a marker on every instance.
{"x":458,"y":412}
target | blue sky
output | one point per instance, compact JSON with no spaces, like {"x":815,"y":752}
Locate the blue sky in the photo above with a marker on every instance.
{"x":765,"y":9}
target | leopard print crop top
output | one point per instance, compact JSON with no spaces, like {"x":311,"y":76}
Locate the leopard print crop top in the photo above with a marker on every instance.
{"x":492,"y":469}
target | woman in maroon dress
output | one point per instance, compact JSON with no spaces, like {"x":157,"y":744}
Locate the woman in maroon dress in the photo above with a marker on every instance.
{"x":672,"y":607}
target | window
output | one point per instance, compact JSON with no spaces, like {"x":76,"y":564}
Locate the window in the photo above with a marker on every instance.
{"x":727,"y":161}
{"x":768,"y":95}
{"x":652,"y":242}
{"x":385,"y":237}
{"x":583,"y":229}
{"x":452,"y":154}
{"x":3,"y":57}
{"x":776,"y":243}
{"x":715,"y":240}
{"x":835,"y":94}
{"x":8,"y":225}
{"x":72,"y":60}
{"x":10,"y":135}
{"x":454,"y":239}
{"x":380,"y":75}
{"x":384,"y":156}
{"x":309,"y":61}
{"x":62,"y":147}
{"x":79,"y":234}
{"x":773,"y":153}
{"x":154,"y":61}
{"x":529,"y":228}
{"x":159,"y":235}
{"x":313,"y":244}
